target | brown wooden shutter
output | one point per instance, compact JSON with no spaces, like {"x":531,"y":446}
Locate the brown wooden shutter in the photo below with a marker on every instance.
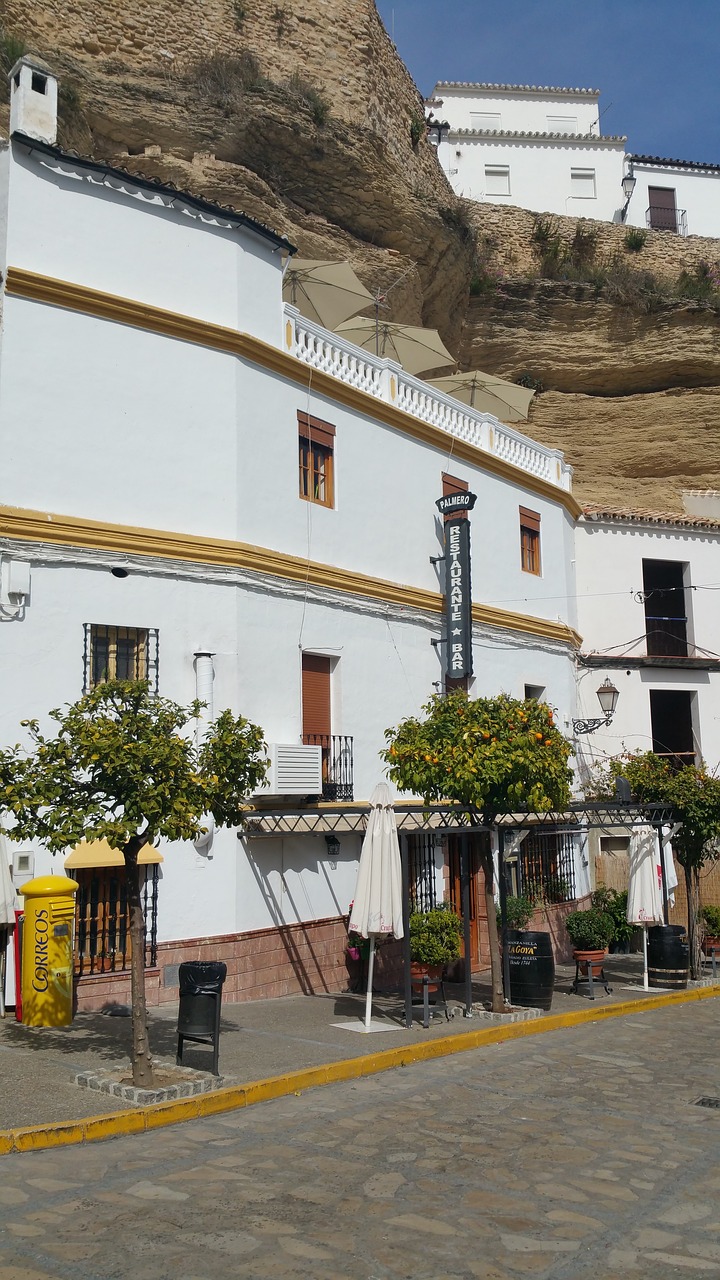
{"x":529,"y":519}
{"x":315,"y":694}
{"x":452,"y":485}
{"x":317,"y":430}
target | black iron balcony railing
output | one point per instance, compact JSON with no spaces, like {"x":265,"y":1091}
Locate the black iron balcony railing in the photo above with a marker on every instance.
{"x":337,"y":764}
{"x":660,"y":218}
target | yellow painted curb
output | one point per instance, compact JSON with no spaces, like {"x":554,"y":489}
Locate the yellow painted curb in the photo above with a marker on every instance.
{"x":144,"y":1119}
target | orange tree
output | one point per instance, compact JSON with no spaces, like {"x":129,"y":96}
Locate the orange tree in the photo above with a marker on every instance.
{"x":123,"y":767}
{"x":695,"y":797}
{"x":491,"y":756}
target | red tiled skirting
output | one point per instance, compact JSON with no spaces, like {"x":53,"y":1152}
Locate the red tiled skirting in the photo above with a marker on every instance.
{"x":301,"y":959}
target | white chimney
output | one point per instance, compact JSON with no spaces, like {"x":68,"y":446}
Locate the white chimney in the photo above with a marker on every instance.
{"x":33,"y":99}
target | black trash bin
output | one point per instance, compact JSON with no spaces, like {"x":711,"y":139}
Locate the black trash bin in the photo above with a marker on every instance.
{"x":201,"y":984}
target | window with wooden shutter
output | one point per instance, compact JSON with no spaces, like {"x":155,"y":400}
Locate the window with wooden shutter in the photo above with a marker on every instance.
{"x":529,"y":540}
{"x":316,"y":454}
{"x":315,"y":696}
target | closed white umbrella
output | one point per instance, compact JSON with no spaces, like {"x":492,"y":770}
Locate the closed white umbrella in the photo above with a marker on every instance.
{"x":644,"y":894}
{"x":377,"y":907}
{"x":8,"y":906}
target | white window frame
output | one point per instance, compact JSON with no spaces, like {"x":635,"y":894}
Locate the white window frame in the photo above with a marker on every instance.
{"x":559,"y":124}
{"x":497,"y":172}
{"x":486,"y":121}
{"x":583,"y":176}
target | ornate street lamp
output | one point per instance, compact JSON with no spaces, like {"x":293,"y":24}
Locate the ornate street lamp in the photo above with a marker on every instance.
{"x":629,"y":183}
{"x":607,"y":697}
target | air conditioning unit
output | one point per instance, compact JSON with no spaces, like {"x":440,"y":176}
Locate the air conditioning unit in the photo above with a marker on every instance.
{"x":295,"y":770}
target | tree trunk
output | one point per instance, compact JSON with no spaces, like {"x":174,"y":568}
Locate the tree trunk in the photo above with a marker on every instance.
{"x":142,"y":1069}
{"x":692,"y":889}
{"x":498,"y":997}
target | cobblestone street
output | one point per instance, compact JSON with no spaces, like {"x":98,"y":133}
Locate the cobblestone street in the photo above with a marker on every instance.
{"x":575,"y":1153}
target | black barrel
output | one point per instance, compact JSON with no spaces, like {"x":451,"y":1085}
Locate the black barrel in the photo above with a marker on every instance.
{"x":668,"y":956}
{"x":532,"y":969}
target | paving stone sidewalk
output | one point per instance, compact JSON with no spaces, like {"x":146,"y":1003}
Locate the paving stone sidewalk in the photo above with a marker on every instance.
{"x":572,"y":1155}
{"x":258,"y":1040}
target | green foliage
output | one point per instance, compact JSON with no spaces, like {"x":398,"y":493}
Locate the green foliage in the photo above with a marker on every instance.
{"x":614,"y":903}
{"x":487,"y":276}
{"x":280,"y":17}
{"x":240,"y":13}
{"x":223,"y":78}
{"x":710,"y":916}
{"x":417,"y":129}
{"x":533,"y":383}
{"x":120,"y":767}
{"x":494,"y":755}
{"x":551,"y":888}
{"x":455,"y":217}
{"x":519,"y":910}
{"x":435,"y":935}
{"x":638,"y":291}
{"x":307,"y":95}
{"x":702,"y":284}
{"x":635,"y":239}
{"x":590,"y":930}
{"x":692,"y":791}
{"x":11,"y":48}
{"x":584,"y":245}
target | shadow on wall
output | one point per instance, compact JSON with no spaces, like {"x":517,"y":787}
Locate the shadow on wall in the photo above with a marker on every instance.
{"x":308,"y":965}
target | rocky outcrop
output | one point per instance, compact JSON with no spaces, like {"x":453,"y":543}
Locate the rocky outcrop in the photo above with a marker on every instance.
{"x":305,"y":117}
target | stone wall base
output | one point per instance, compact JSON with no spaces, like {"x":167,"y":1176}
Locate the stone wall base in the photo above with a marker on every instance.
{"x":302,"y":959}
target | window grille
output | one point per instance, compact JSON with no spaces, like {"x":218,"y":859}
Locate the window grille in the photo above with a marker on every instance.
{"x":421,"y":866}
{"x":102,"y":919}
{"x":546,"y":865}
{"x":120,"y":653}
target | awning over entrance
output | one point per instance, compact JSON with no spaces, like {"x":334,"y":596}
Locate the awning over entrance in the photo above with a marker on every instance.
{"x":98,"y":853}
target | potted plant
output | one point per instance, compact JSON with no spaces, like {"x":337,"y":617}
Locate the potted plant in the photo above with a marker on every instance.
{"x":614,"y":903}
{"x":591,"y":932}
{"x":710,"y":917}
{"x":434,"y":941}
{"x":532,"y":966}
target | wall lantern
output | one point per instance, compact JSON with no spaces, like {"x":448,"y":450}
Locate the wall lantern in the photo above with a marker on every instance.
{"x":333,"y":849}
{"x":607,"y":697}
{"x":436,"y":130}
{"x":629,"y":183}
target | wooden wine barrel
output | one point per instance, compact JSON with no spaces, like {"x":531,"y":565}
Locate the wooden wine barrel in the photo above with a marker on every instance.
{"x":532,"y":969}
{"x":668,"y":956}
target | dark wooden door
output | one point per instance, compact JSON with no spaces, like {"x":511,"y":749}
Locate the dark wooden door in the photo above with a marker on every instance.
{"x":479,"y":946}
{"x":663,"y":212}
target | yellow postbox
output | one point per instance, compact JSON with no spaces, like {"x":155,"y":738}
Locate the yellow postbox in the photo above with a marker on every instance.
{"x":47,"y":951}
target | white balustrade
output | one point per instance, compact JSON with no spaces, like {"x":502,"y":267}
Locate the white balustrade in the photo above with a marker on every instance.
{"x":386,"y":380}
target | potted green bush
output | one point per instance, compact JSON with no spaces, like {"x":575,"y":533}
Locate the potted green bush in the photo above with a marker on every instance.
{"x":710,"y":917}
{"x":532,"y":965}
{"x":591,"y":932}
{"x":614,"y":903}
{"x":434,"y":940}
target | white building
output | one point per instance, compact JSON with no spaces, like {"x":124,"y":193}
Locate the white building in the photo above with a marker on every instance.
{"x":674,"y":195}
{"x":648,"y":611}
{"x":538,"y":148}
{"x":200,"y":486}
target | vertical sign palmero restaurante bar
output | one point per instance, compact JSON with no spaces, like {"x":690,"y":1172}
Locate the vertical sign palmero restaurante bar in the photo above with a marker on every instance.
{"x":458,"y":593}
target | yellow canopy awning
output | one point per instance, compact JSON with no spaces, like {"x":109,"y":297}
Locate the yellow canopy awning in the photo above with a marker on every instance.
{"x":98,"y":853}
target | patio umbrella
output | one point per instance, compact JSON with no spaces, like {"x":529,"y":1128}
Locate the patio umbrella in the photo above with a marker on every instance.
{"x":416,"y":349}
{"x":488,"y":394}
{"x":377,"y":908}
{"x":326,"y":292}
{"x":8,"y":906}
{"x":644,"y":896}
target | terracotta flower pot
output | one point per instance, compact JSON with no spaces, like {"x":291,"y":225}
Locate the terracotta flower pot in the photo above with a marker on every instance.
{"x":594,"y":958}
{"x":418,"y":971}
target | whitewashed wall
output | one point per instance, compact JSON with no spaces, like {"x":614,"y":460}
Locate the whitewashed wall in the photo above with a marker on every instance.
{"x":518,"y":111}
{"x":609,"y":566}
{"x":697,"y":192}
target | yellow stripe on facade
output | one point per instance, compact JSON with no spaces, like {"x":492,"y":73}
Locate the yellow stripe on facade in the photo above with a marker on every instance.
{"x":140,"y":315}
{"x":96,"y":535}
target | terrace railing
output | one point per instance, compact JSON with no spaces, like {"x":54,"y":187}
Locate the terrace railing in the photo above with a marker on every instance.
{"x":387,"y":380}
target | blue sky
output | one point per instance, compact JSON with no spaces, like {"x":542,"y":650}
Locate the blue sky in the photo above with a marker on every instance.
{"x":654,"y":61}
